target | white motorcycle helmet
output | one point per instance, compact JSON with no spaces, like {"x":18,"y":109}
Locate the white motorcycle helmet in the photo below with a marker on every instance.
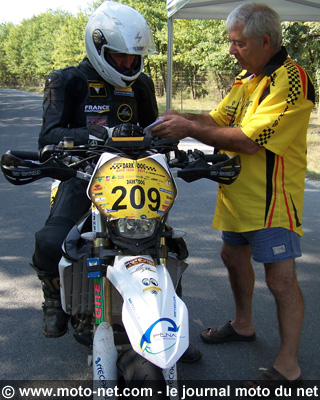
{"x":115,"y":27}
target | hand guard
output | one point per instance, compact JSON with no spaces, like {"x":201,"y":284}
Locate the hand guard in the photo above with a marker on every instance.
{"x":127,"y":130}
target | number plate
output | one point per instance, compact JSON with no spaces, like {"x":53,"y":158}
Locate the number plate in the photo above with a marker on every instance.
{"x":125,"y":188}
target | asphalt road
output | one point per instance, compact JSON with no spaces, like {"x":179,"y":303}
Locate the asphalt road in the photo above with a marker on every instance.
{"x":26,"y":354}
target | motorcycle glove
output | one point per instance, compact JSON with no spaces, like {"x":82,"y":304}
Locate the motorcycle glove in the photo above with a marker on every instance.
{"x":127,"y":130}
{"x":99,"y":133}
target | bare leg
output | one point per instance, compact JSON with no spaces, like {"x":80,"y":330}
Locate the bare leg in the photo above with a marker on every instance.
{"x":282,"y":282}
{"x":237,"y":259}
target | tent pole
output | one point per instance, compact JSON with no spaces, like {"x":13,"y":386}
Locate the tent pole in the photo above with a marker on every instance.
{"x":169,"y":63}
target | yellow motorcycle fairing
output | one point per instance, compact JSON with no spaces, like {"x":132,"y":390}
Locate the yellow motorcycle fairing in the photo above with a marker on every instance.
{"x":137,"y":189}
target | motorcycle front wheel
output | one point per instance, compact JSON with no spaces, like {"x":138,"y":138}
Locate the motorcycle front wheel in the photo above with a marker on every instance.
{"x":140,"y":378}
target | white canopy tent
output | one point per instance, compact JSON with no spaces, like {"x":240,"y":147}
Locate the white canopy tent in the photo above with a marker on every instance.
{"x":289,"y":10}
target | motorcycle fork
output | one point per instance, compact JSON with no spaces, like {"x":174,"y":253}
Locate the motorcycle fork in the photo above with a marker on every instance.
{"x":163,"y":260}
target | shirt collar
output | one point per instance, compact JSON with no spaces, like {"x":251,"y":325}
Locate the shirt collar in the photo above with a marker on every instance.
{"x":275,"y":62}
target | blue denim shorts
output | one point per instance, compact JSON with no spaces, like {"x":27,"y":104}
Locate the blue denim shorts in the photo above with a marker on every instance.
{"x":267,"y":245}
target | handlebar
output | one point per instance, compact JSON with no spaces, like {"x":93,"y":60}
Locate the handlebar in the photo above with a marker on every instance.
{"x":19,"y":171}
{"x":26,"y":155}
{"x":215,"y":158}
{"x":223,"y":169}
{"x":22,"y":167}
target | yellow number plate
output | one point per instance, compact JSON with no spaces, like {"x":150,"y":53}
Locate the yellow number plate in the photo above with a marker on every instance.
{"x":125,"y":188}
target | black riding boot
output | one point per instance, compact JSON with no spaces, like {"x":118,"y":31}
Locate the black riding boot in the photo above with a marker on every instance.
{"x":55,"y":320}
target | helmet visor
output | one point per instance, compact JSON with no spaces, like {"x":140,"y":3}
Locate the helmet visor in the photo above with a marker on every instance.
{"x":126,"y":64}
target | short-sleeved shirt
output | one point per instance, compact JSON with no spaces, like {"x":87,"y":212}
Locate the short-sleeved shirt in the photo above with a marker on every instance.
{"x":272,"y":109}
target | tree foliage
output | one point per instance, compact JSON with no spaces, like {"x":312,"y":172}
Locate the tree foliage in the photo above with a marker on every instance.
{"x":69,"y":47}
{"x":30,"y":50}
{"x":303,"y":44}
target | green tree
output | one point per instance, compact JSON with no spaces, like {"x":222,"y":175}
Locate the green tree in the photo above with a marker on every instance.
{"x":12,"y":49}
{"x":28,"y":49}
{"x":201,"y":49}
{"x":50,"y":25}
{"x":55,"y":39}
{"x":69,"y":47}
{"x":302,"y":41}
{"x":6,"y":75}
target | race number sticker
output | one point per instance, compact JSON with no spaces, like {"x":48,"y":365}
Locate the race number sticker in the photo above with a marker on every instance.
{"x":125,"y":188}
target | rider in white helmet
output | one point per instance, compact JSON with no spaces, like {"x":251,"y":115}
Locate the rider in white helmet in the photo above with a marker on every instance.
{"x":114,"y":31}
{"x":107,"y":93}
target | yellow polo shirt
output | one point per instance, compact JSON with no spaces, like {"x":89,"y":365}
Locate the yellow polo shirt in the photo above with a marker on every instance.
{"x":272,"y":109}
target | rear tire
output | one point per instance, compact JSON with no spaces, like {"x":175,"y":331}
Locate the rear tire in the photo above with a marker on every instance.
{"x":139,"y":377}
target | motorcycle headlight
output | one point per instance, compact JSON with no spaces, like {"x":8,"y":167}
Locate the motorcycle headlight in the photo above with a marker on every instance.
{"x":136,"y":228}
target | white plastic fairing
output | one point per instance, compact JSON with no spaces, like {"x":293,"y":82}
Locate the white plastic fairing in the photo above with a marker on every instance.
{"x":63,"y":264}
{"x":155,"y":318}
{"x":104,"y":361}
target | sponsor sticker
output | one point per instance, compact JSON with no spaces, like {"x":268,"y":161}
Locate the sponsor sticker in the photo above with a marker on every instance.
{"x":97,"y":89}
{"x":125,"y":113}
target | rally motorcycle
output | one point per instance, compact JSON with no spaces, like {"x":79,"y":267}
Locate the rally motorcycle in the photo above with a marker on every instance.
{"x":122,"y":263}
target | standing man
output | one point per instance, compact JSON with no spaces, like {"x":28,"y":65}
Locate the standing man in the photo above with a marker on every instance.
{"x":264,"y":118}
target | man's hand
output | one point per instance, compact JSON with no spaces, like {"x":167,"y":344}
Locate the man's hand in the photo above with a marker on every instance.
{"x":127,"y":130}
{"x":174,"y":126}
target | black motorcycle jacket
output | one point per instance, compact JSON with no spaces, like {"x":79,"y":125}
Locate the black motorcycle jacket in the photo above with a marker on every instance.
{"x":77,"y":97}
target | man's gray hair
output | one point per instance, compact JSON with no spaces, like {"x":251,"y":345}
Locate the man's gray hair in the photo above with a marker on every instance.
{"x":257,"y":20}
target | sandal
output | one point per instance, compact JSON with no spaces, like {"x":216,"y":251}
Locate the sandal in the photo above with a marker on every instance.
{"x":271,"y":379}
{"x":225,"y":333}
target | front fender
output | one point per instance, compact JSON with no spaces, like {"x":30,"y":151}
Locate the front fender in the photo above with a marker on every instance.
{"x":155,"y":318}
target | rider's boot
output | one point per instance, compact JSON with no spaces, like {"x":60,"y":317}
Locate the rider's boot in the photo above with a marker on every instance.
{"x":55,"y":320}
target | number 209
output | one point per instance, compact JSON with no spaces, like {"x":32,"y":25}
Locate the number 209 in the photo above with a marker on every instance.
{"x":153,"y":197}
